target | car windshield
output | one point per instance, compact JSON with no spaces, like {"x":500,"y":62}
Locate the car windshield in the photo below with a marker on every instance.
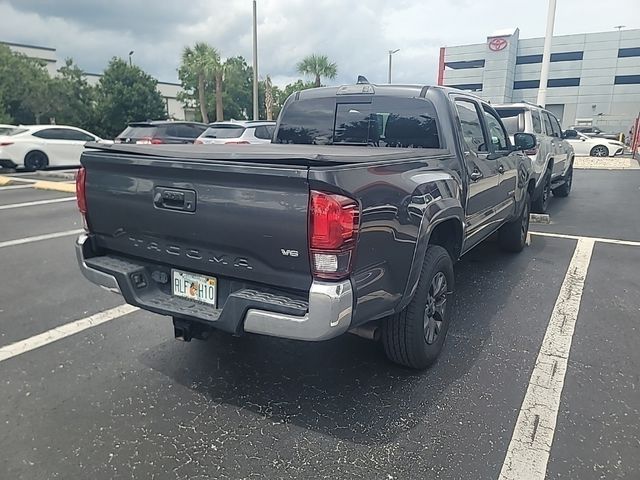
{"x":138,"y":131}
{"x":224,"y":131}
{"x":385,"y":122}
{"x":9,"y":131}
{"x":513,"y":119}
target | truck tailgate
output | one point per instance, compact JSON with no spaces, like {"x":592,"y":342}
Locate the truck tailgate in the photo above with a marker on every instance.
{"x":233,"y":220}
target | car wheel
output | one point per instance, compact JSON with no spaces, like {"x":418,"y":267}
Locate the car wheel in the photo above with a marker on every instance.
{"x":513,"y":235}
{"x":415,"y":336}
{"x":599,"y":151}
{"x":541,"y":203}
{"x":564,"y":189}
{"x":36,"y":160}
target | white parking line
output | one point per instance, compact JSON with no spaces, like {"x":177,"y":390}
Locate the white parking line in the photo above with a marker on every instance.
{"x":615,"y":241}
{"x":15,"y":187}
{"x":63,"y":331}
{"x":37,"y":202}
{"x":530,"y":445}
{"x":38,"y":238}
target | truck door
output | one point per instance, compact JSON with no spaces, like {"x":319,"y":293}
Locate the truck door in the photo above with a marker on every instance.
{"x":482,"y":173}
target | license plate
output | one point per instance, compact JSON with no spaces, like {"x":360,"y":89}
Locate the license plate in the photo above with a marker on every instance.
{"x":194,"y":287}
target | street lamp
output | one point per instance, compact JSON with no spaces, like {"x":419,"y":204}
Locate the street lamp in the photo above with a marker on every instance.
{"x":391,"y":52}
{"x":130,"y":53}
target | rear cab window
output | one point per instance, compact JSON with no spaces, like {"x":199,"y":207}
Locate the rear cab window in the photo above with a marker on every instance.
{"x":381,"y":122}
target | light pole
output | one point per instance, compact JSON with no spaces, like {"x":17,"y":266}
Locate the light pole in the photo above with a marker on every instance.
{"x":130,"y":53}
{"x":255,"y":60}
{"x":546,"y":54}
{"x":391,"y":52}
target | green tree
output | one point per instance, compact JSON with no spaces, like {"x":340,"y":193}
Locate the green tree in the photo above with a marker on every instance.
{"x":24,"y":87}
{"x":201,"y":62}
{"x":125,"y":94}
{"x":73,"y":97}
{"x":318,"y":66}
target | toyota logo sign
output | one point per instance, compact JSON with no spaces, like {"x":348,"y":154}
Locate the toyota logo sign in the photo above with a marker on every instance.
{"x":497,"y":44}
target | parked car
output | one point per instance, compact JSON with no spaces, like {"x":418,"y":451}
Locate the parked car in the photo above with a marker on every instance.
{"x":155,"y":132}
{"x":552,"y":157}
{"x":591,"y":131}
{"x":238,"y":132}
{"x":325,"y":232}
{"x":594,"y":146}
{"x":35,"y":147}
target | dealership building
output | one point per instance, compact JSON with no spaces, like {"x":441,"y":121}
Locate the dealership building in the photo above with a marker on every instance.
{"x":47,"y":55}
{"x":594,"y":78}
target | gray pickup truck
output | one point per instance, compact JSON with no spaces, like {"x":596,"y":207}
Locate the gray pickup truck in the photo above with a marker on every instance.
{"x":349,"y":222}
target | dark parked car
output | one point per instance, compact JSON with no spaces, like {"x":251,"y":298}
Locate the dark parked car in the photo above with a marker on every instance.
{"x":351,"y":223}
{"x":161,"y":131}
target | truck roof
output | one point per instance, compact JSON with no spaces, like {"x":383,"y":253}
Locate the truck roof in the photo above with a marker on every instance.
{"x":409,"y":90}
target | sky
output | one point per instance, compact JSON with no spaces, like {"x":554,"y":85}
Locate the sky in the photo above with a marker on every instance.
{"x":355,"y":34}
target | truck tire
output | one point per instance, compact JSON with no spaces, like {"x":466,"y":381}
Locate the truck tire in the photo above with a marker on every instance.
{"x":541,"y":203}
{"x":512,"y":236}
{"x":565,"y":189}
{"x":414,"y":337}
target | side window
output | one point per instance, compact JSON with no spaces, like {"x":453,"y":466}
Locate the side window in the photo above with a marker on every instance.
{"x":496,"y":131}
{"x":78,"y":136}
{"x":51,"y":134}
{"x":535,"y":118}
{"x":263,"y":132}
{"x":471,"y":125}
{"x":185,"y":131}
{"x":547,"y":124}
{"x":555,"y":131}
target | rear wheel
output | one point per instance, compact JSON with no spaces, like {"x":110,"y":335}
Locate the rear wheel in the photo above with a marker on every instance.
{"x":564,"y":189}
{"x":513,"y":235}
{"x":599,"y":151}
{"x":36,"y":160}
{"x":541,"y":203}
{"x":415,"y":336}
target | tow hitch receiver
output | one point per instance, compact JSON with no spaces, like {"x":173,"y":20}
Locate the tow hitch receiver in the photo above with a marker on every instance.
{"x":185,"y":330}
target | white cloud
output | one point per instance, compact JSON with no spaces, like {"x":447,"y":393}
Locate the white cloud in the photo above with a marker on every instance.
{"x":355,"y":34}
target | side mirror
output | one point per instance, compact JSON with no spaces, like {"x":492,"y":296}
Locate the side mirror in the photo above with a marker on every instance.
{"x":525,"y":141}
{"x":570,"y":134}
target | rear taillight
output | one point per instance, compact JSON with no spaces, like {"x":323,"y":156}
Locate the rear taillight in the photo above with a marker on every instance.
{"x":81,"y":195}
{"x":149,"y":141}
{"x":198,"y":142}
{"x":5,"y":144}
{"x":237,"y":142}
{"x":333,"y":230}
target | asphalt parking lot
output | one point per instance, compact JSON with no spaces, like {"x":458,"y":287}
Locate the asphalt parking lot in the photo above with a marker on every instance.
{"x":123,"y":399}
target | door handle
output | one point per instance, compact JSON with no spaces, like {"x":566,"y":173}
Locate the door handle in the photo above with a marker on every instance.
{"x":476,"y":175}
{"x":501,"y":169}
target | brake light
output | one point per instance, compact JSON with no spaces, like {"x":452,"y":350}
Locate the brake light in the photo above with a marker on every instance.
{"x":149,"y":141}
{"x":198,"y":142}
{"x":237,"y":142}
{"x":81,"y":195}
{"x":333,"y":230}
{"x":5,"y":144}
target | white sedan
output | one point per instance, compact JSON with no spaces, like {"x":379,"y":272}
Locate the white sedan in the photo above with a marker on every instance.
{"x":593,"y":146}
{"x":39,"y":146}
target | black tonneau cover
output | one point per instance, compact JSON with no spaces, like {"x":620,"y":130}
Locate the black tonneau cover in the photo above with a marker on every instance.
{"x":279,"y":153}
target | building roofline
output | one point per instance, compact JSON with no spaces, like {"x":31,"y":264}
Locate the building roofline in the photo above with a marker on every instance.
{"x":160,"y":82}
{"x":12,"y":44}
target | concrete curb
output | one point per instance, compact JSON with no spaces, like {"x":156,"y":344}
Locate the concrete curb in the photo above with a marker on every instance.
{"x":55,"y":186}
{"x":541,"y":218}
{"x":63,"y":175}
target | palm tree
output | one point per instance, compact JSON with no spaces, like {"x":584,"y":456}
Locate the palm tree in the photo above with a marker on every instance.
{"x":203,"y":61}
{"x":318,"y":66}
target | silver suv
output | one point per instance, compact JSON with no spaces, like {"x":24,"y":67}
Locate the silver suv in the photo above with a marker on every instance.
{"x":552,"y":159}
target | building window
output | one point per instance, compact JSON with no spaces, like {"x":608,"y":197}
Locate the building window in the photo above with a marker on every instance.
{"x":553,"y":82}
{"x":629,"y":52}
{"x":474,"y":87}
{"x":563,"y":82}
{"x":466,"y":64}
{"x":522,"y":84}
{"x":555,"y":57}
{"x":627,"y":80}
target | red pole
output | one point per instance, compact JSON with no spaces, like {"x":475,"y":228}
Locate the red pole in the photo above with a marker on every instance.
{"x":441,"y":67}
{"x":636,"y":137}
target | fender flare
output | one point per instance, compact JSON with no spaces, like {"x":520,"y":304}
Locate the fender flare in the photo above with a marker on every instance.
{"x":450,"y":209}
